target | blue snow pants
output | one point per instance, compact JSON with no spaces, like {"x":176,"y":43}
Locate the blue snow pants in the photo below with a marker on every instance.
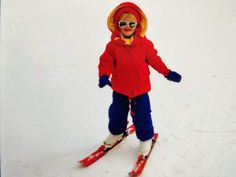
{"x":140,"y":112}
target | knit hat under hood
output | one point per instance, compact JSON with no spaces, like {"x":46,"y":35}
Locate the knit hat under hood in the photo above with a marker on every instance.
{"x":127,"y":7}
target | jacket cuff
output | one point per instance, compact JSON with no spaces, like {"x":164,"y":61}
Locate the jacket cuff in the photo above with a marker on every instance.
{"x":167,"y":72}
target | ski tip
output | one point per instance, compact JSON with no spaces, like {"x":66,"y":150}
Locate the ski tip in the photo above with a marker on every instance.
{"x":132,"y":174}
{"x":83,"y":164}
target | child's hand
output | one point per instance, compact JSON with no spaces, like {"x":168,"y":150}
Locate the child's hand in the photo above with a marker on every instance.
{"x":174,"y":76}
{"x":103,"y":81}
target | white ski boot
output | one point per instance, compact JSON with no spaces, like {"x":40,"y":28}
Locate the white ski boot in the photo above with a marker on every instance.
{"x":112,"y":139}
{"x":145,"y":147}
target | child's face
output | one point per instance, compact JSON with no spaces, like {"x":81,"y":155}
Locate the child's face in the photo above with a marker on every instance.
{"x":127,"y":24}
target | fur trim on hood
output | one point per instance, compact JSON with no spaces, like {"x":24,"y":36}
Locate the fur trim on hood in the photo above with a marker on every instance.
{"x":112,"y":20}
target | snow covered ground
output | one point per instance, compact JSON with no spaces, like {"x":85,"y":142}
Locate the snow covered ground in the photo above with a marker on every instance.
{"x":53,"y":113}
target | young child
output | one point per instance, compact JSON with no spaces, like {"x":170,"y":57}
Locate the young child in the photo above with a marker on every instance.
{"x":126,"y":59}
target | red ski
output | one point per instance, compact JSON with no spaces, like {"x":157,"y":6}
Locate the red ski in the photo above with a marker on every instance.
{"x":101,"y":151}
{"x":141,"y":162}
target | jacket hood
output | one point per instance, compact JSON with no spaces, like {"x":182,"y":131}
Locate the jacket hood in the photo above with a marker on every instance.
{"x":112,"y":20}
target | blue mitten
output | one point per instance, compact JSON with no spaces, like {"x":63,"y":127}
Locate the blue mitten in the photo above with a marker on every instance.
{"x":103,"y":81}
{"x":174,"y":76}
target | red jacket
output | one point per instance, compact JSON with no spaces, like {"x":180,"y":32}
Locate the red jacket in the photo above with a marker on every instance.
{"x":129,"y":64}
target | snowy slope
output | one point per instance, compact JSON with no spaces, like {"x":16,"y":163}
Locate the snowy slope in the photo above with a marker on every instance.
{"x":54,"y":114}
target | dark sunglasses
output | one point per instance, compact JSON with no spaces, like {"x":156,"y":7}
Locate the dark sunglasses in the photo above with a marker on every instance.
{"x":123,"y":24}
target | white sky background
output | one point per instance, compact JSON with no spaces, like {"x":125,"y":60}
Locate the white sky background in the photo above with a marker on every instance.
{"x":53,"y":113}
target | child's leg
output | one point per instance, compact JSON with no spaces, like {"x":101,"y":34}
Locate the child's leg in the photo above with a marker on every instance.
{"x":118,"y":113}
{"x":141,"y":114}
